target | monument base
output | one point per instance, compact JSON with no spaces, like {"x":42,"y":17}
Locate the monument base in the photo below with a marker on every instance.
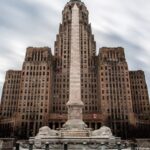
{"x":76,"y":143}
{"x":72,"y":143}
{"x":74,"y":124}
{"x":75,"y":133}
{"x":74,"y":139}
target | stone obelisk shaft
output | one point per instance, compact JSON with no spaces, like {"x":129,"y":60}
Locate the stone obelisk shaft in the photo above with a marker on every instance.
{"x":75,"y":62}
{"x":75,"y":105}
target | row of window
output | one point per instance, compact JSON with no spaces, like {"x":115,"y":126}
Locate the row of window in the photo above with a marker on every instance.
{"x":35,"y":73}
{"x":114,"y":68}
{"x":37,"y":68}
{"x":64,"y":108}
{"x":32,"y":117}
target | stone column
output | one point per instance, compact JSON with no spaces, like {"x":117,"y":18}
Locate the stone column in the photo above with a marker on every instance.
{"x":75,"y":62}
{"x":75,"y":105}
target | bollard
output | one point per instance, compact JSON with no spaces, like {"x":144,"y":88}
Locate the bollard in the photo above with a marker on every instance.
{"x":30,"y":146}
{"x":65,"y":146}
{"x":17,"y":146}
{"x":103,"y":146}
{"x":119,"y":145}
{"x":47,"y":146}
{"x":84,"y":145}
{"x":133,"y":146}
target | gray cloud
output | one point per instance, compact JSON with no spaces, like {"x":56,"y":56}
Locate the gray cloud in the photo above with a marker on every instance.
{"x":26,"y":23}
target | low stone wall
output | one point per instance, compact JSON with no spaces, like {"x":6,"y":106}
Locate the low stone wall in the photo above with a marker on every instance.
{"x":80,"y":144}
{"x":143,"y":144}
{"x":6,"y":143}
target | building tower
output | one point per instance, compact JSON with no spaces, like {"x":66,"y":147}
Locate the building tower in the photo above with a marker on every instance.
{"x":9,"y":103}
{"x":10,"y":95}
{"x":35,"y":91}
{"x":141,"y":105}
{"x":115,"y":91}
{"x":139,"y":92}
{"x":62,"y":58}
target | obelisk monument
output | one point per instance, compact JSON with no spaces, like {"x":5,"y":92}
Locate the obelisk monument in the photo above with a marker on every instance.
{"x":74,"y":135}
{"x":75,"y":105}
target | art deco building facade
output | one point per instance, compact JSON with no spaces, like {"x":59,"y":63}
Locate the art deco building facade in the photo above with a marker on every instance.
{"x":139,"y":92}
{"x":114,"y":89}
{"x":35,"y":90}
{"x":10,"y":95}
{"x":62,"y":62}
{"x":37,"y":95}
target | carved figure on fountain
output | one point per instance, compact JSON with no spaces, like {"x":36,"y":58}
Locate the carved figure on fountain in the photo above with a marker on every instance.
{"x":103,"y":132}
{"x":46,"y":132}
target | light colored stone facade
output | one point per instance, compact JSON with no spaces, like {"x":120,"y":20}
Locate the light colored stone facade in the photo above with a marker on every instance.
{"x":75,"y":105}
{"x":87,"y":52}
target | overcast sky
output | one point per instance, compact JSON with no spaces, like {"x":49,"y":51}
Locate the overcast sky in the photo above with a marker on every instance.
{"x":26,"y":23}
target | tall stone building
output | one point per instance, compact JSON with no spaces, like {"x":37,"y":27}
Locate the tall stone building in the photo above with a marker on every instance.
{"x":40,"y":90}
{"x":140,"y":100}
{"x":10,"y":95}
{"x":139,"y":92}
{"x":9,"y":102}
{"x":114,"y":89}
{"x":62,"y":60}
{"x":63,"y":57}
{"x":35,"y":90}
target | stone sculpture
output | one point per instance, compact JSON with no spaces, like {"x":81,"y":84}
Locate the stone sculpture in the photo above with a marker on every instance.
{"x":103,"y":132}
{"x":1,"y":144}
{"x":45,"y":132}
